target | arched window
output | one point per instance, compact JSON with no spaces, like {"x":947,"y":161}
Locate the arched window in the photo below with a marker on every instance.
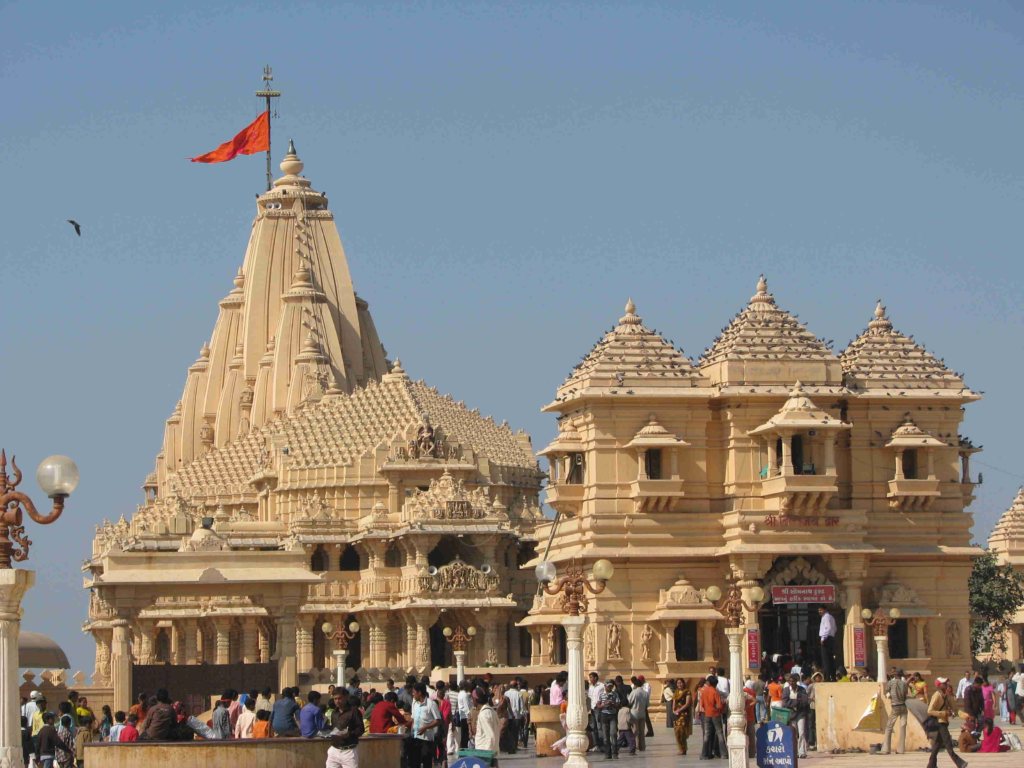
{"x":319,"y":561}
{"x":349,"y":559}
{"x":686,"y":641}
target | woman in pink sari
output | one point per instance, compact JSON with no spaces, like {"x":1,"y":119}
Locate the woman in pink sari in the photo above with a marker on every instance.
{"x":988,"y":695}
{"x":992,"y":738}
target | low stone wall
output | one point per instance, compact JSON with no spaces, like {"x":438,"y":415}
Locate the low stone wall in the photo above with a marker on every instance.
{"x":374,"y":750}
{"x":54,"y":685}
{"x":838,"y":709}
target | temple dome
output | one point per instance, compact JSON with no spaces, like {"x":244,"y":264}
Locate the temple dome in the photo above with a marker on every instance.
{"x":766,"y":345}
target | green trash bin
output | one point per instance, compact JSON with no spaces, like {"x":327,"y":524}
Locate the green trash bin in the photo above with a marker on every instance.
{"x":484,"y":754}
{"x":781,"y":715}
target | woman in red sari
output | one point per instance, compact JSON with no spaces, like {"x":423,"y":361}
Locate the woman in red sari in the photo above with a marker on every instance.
{"x":992,"y":738}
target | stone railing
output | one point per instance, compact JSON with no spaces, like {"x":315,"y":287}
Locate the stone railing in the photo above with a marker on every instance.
{"x":52,"y":683}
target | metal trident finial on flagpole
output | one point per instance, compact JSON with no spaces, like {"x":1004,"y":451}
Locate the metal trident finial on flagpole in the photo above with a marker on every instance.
{"x":268,"y":94}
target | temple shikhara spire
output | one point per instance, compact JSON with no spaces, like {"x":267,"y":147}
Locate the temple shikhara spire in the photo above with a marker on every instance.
{"x":304,"y":480}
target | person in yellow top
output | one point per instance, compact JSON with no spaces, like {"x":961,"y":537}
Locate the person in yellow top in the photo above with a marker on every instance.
{"x":918,"y":687}
{"x":37,"y":718}
{"x":942,"y":707}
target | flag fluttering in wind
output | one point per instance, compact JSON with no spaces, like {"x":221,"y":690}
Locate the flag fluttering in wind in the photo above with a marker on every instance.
{"x":254,"y":138}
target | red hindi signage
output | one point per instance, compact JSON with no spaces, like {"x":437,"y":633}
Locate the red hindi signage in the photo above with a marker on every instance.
{"x":860,"y":658}
{"x":804,"y":593}
{"x":753,"y":649}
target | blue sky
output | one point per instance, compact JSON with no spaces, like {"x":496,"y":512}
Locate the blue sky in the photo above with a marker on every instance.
{"x":504,"y":176}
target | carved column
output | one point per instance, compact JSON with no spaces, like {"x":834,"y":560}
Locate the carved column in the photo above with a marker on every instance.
{"x":287,"y":669}
{"x":101,"y":676}
{"x":919,"y":623}
{"x":491,"y":640}
{"x":144,"y":631}
{"x":830,"y":452}
{"x":250,"y":641}
{"x":787,"y":453}
{"x":853,"y":619}
{"x":121,"y":665}
{"x":235,"y":643}
{"x":668,"y":645}
{"x":304,"y":642}
{"x":222,"y":627}
{"x":13,"y":585}
{"x":177,"y":657}
{"x":191,"y":631}
{"x":263,"y":637}
{"x":576,"y":711}
{"x":411,"y":654}
{"x":424,"y":619}
{"x":707,"y":627}
{"x":899,"y":464}
{"x":773,"y":457}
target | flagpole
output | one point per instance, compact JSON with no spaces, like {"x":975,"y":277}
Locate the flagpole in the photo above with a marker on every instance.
{"x":268,"y":94}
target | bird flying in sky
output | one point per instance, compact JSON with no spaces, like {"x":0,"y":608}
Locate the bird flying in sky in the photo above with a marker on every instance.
{"x":77,"y":226}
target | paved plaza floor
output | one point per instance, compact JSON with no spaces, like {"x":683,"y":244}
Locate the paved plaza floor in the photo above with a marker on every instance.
{"x":662,"y":753}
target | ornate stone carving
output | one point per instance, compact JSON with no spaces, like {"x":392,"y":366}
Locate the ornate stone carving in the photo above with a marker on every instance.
{"x":928,"y":639}
{"x":552,"y":646}
{"x":894,"y":593}
{"x":795,"y":571}
{"x":458,"y":575}
{"x":614,"y":641}
{"x":953,"y":644}
{"x":315,"y":508}
{"x":492,"y":656}
{"x":448,"y":499}
{"x":590,"y":645}
{"x":646,"y":638}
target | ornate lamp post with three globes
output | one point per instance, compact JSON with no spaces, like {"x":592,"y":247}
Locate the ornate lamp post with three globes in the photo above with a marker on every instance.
{"x":57,"y":477}
{"x":340,"y":638}
{"x":880,"y":625}
{"x":731,"y":607}
{"x":573,"y":587}
{"x":460,"y":640}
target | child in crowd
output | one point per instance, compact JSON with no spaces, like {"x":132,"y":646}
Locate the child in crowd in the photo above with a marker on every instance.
{"x":261,"y":728}
{"x":131,"y":730}
{"x":83,"y":735}
{"x":117,"y":727}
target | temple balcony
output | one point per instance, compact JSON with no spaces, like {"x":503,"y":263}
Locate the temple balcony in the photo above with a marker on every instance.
{"x":655,"y":495}
{"x":566,"y":498}
{"x":798,"y":493}
{"x":909,"y":495}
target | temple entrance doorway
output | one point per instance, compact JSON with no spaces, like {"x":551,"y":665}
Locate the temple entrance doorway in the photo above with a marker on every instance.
{"x":789,"y":624}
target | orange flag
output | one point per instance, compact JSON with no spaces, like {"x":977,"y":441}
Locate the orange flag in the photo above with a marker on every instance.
{"x":250,"y":140}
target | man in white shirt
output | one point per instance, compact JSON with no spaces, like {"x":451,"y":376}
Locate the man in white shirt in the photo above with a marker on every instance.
{"x":29,"y":708}
{"x":647,"y":717}
{"x":594,"y":697}
{"x":723,"y":688}
{"x":426,"y":717}
{"x":964,"y":684}
{"x":465,"y":704}
{"x":827,"y":636}
{"x":516,"y":711}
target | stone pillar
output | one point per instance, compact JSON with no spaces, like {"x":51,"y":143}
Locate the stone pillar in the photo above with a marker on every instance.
{"x":250,"y":641}
{"x":674,"y":458}
{"x":930,"y":455}
{"x":235,"y":643}
{"x":787,"y":453}
{"x":830,"y":453}
{"x":287,"y":670}
{"x":304,"y":642}
{"x":177,"y":657}
{"x":411,"y":654}
{"x":554,"y":462}
{"x":121,"y":666}
{"x":101,"y":676}
{"x":191,"y":631}
{"x":222,"y":625}
{"x":668,"y":641}
{"x":853,"y":619}
{"x":641,"y":455}
{"x":145,"y":633}
{"x":379,"y":626}
{"x":707,"y":628}
{"x":737,"y":738}
{"x":576,"y":712}
{"x":773,"y":457}
{"x":899,"y":464}
{"x":13,"y":585}
{"x":263,"y":638}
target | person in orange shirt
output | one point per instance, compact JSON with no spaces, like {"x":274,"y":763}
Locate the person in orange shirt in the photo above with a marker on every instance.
{"x":261,"y":728}
{"x":775,"y":692}
{"x":711,"y":704}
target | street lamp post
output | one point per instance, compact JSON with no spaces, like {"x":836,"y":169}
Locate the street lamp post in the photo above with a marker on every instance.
{"x":340,"y":638}
{"x":731,"y":607}
{"x":460,"y":640}
{"x":57,"y":477}
{"x":880,"y":626}
{"x":573,"y":587}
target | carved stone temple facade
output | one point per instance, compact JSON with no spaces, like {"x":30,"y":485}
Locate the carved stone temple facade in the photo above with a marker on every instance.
{"x":772,"y":461}
{"x":305,"y":479}
{"x":1007,"y":543}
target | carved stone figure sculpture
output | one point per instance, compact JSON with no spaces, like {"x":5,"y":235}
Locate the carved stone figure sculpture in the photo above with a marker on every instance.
{"x":953,"y":648}
{"x":645,"y":642}
{"x":590,"y":645}
{"x":614,"y":641}
{"x":552,"y":647}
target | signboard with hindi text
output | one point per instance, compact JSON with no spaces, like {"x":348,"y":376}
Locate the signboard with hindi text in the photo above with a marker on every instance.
{"x":804,"y":593}
{"x":860,"y":656}
{"x":753,"y":648}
